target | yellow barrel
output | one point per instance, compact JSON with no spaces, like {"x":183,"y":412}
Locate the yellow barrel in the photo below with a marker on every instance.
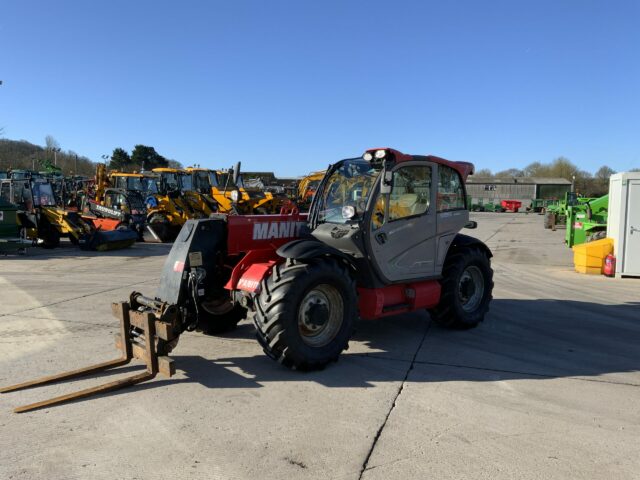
{"x":589,"y":257}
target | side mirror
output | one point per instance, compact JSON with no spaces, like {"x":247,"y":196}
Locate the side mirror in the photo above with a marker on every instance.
{"x":236,"y":173}
{"x":387,"y":182}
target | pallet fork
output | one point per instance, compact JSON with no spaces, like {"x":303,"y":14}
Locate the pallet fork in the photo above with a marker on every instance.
{"x":144,"y":335}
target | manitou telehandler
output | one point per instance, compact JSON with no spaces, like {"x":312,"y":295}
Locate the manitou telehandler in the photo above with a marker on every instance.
{"x":381,"y":239}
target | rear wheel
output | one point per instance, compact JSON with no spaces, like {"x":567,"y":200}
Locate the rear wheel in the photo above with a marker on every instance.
{"x":305,"y":313}
{"x":160,"y":226}
{"x":467,"y":287}
{"x":219,"y":316}
{"x":49,"y":234}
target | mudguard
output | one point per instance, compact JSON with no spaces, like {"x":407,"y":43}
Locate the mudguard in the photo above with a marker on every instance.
{"x":306,"y":249}
{"x":462,"y":240}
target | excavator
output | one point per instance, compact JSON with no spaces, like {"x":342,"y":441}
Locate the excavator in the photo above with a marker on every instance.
{"x":382,"y":238}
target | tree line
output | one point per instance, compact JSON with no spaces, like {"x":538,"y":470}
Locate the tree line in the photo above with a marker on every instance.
{"x":595,"y":184}
{"x":142,"y":157}
{"x":23,"y":155}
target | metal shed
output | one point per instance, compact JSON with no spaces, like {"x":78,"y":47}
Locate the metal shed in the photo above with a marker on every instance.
{"x":524,"y":189}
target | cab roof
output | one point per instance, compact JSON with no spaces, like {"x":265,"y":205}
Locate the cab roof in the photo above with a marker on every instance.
{"x":463,"y":168}
{"x":123,"y":174}
{"x":167,"y":170}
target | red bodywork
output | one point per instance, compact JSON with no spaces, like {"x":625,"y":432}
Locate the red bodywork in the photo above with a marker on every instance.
{"x":513,"y":205}
{"x":464,"y":168}
{"x":105,"y":224}
{"x":254,"y":239}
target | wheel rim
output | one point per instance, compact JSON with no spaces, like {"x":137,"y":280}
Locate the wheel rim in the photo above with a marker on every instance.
{"x":320,"y":315}
{"x":471,"y":288}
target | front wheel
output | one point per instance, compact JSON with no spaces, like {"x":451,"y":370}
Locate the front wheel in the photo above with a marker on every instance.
{"x":305,"y":313}
{"x":467,"y":288}
{"x":219,"y":316}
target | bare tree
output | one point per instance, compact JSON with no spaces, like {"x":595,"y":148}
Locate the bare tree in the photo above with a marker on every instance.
{"x":510,"y":172}
{"x":604,"y":172}
{"x":51,"y":143}
{"x":483,"y":172}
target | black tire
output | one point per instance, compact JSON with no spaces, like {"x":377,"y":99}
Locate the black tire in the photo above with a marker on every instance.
{"x":161,"y":227}
{"x":216,"y":323}
{"x":305,"y":313}
{"x":462,"y":305}
{"x":49,"y":234}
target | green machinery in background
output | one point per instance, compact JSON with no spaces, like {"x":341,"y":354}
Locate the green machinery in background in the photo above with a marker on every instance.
{"x":556,"y":214}
{"x":587,"y":221}
{"x":10,"y":238}
{"x":540,"y":205}
{"x":483,"y":207}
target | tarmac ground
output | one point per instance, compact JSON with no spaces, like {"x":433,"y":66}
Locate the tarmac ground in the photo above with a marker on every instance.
{"x":548,"y":386}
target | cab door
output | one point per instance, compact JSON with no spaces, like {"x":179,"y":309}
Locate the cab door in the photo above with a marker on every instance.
{"x":402,"y":229}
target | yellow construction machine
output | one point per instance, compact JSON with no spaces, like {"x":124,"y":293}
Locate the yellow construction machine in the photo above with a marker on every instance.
{"x":232,"y":195}
{"x":45,"y":223}
{"x":307,"y":189}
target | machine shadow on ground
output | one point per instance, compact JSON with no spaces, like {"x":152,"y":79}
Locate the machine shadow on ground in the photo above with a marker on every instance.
{"x":139,"y":250}
{"x":544,"y":339}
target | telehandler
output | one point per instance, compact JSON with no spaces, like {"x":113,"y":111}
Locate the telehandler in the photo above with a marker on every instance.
{"x":381,"y":239}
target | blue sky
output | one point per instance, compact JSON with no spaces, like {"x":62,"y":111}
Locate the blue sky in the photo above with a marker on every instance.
{"x":290,"y":86}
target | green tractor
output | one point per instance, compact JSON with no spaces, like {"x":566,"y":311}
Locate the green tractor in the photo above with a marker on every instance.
{"x":587,"y":221}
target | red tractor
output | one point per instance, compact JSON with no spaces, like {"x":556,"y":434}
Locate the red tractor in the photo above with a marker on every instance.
{"x":381,"y":238}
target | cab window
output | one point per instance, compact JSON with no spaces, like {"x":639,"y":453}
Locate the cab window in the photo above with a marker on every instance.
{"x":450,"y":190}
{"x":5,"y":192}
{"x":410,"y":195}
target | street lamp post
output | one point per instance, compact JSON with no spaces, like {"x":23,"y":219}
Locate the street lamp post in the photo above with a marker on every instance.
{"x":55,"y":155}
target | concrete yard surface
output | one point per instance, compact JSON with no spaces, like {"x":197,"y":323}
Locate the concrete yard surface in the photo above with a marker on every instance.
{"x":547,"y":387}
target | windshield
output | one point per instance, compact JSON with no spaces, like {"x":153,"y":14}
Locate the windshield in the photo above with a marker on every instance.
{"x":171,"y":181}
{"x":150,"y":184}
{"x":134,"y":183}
{"x":201,"y":182}
{"x":213,"y":179}
{"x":349,"y":185}
{"x":128,"y":183}
{"x":43,"y":194}
{"x":186,"y":182}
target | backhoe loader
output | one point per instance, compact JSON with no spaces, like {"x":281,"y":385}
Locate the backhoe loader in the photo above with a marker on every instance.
{"x":45,"y":222}
{"x":307,"y":189}
{"x":232,"y":196}
{"x":382,"y":238}
{"x":110,"y":208}
{"x":167,"y":205}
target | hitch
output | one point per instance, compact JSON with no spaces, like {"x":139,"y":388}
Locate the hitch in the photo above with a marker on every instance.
{"x":149,"y":330}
